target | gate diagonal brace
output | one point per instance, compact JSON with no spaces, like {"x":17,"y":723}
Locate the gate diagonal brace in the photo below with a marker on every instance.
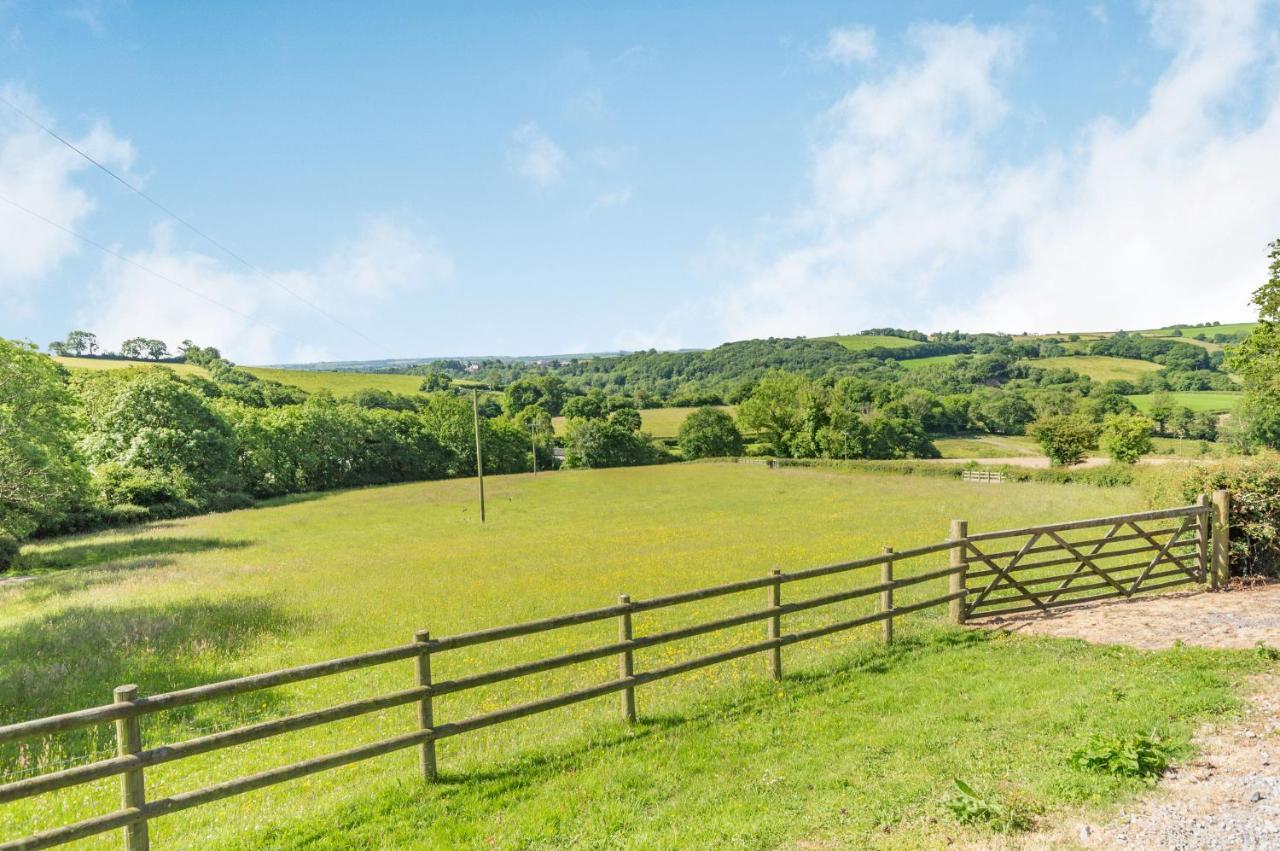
{"x":1003,"y":572}
{"x":994,"y":584}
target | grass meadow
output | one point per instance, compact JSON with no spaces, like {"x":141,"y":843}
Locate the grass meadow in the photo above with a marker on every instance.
{"x":1100,"y":368}
{"x":857,"y":745}
{"x":862,"y":342}
{"x":110,"y":363}
{"x":661,"y":423}
{"x":339,"y":383}
{"x":1210,"y":401}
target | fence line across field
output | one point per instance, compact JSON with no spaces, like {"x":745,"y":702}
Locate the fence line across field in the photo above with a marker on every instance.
{"x":1002,"y":587}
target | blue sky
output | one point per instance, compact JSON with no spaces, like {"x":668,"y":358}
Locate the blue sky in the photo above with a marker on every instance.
{"x":473,"y":178}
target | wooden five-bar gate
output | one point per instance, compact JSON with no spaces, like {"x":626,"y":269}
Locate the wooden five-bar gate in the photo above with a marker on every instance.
{"x":987,"y":573}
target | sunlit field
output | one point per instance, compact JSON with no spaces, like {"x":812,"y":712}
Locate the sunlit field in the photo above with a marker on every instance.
{"x":1211,"y":401}
{"x":339,"y":383}
{"x":1100,"y":368}
{"x":862,"y":342}
{"x":854,"y":741}
{"x":74,"y":363}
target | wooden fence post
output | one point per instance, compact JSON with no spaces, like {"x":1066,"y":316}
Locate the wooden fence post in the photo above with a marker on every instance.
{"x":886,"y":596}
{"x":1203,"y":525}
{"x":132,"y":788}
{"x":426,"y":713}
{"x":1221,"y":538}
{"x":626,"y":662}
{"x":959,"y":531}
{"x":775,"y":626}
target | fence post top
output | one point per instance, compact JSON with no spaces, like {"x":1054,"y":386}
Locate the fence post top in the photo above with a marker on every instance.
{"x":125,"y":692}
{"x":422,"y":636}
{"x":624,"y":599}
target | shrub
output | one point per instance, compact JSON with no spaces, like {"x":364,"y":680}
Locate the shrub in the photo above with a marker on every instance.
{"x":709,"y":433}
{"x":1138,"y":756}
{"x":1127,"y":437}
{"x":8,"y":551}
{"x":1065,"y":439}
{"x":598,"y":443}
{"x":1255,"y":505}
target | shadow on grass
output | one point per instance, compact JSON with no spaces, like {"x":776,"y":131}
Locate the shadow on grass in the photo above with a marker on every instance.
{"x":72,"y":659}
{"x":94,"y":553}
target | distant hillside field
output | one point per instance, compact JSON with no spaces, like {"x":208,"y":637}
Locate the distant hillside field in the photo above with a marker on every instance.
{"x":1211,"y":401}
{"x":862,"y":342}
{"x":103,"y":363}
{"x":936,"y":360}
{"x":1100,"y":368}
{"x":338,"y":383}
{"x":662,"y":423}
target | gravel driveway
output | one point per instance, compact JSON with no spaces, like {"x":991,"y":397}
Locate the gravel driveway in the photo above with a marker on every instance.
{"x":1229,"y":797}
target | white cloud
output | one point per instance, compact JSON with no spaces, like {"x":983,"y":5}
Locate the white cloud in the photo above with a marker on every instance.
{"x":848,"y":45}
{"x":38,"y":173}
{"x":615,"y":198}
{"x":536,"y":157}
{"x":916,"y":218}
{"x":385,"y":262}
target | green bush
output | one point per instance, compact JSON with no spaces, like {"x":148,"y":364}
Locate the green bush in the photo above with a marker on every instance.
{"x":8,"y":551}
{"x":1136,"y":755}
{"x":1255,"y":505}
{"x":709,"y":433}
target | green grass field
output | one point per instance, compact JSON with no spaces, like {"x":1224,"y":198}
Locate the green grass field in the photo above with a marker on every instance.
{"x":862,"y":342}
{"x":662,"y":423}
{"x":916,"y":363}
{"x":1211,"y":401}
{"x":339,"y":383}
{"x":100,"y":364}
{"x":856,"y":746}
{"x":988,"y":446}
{"x":1100,"y":368}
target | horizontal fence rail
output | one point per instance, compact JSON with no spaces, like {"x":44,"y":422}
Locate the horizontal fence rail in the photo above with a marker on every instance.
{"x":986,"y":573}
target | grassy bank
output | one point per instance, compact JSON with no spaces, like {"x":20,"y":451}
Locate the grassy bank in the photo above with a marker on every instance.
{"x":195,"y":600}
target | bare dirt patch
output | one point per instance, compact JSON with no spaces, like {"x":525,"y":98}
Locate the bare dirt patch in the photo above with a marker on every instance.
{"x":1239,"y":619}
{"x":1229,"y":796}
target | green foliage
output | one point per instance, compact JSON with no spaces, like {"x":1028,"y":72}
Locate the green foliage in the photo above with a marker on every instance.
{"x":628,"y":418}
{"x":1133,"y":755}
{"x":967,"y":806}
{"x":1255,"y":505}
{"x":1257,"y":359}
{"x":709,"y":433}
{"x":1000,"y":411}
{"x":600,"y":443}
{"x":1126,"y":437}
{"x":9,"y":549}
{"x":41,"y":474}
{"x":1065,"y":439}
{"x":435,"y":382}
{"x":156,"y":421}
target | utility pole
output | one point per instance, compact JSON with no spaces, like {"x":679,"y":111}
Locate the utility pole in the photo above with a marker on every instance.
{"x":475,"y":416}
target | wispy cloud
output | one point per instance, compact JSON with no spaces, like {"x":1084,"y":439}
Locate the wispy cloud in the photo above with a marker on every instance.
{"x":39,"y":174}
{"x":615,"y":198}
{"x":536,"y":157}
{"x":848,"y":45}
{"x":916,"y":216}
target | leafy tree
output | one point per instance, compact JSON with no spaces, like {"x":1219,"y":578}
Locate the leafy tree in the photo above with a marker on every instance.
{"x":41,"y":475}
{"x":372,"y":397}
{"x":777,"y":409}
{"x":599,"y":443}
{"x":1065,"y":439}
{"x":593,"y":406}
{"x":155,"y":421}
{"x":156,"y":349}
{"x":82,"y":343}
{"x":435,"y":381}
{"x":1162,"y":408}
{"x":709,"y":433}
{"x":1126,"y":437}
{"x":133,"y":347}
{"x":628,"y":418}
{"x":58,"y":348}
{"x":1000,"y":411}
{"x":1257,"y":359}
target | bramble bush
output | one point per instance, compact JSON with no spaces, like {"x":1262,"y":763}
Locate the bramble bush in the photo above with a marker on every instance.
{"x":1255,"y":505}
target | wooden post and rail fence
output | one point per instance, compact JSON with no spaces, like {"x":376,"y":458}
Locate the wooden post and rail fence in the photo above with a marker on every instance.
{"x":1001,"y":572}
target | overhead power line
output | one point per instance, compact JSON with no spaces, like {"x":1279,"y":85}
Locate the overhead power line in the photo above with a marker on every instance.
{"x":186,"y":224}
{"x":116,"y":254}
